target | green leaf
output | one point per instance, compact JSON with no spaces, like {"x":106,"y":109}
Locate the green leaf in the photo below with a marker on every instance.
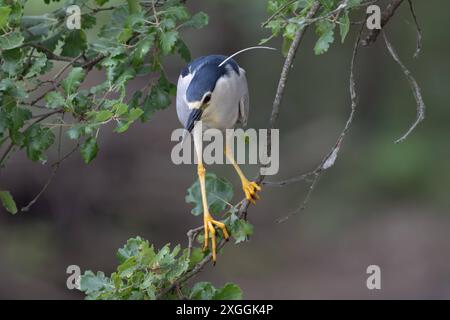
{"x":8,"y":202}
{"x":13,"y":89}
{"x":219,"y":193}
{"x":286,"y":46}
{"x":38,"y":140}
{"x":353,"y":3}
{"x":4,"y":16}
{"x":135,"y":113}
{"x":52,"y":41}
{"x":11,"y":40}
{"x":230,"y":291}
{"x":122,"y":126}
{"x":240,"y":230}
{"x":199,"y":20}
{"x":73,"y":133}
{"x":103,"y":115}
{"x":54,"y":100}
{"x":39,"y":64}
{"x":73,"y":80}
{"x":88,"y":21}
{"x":197,"y":255}
{"x":90,"y":282}
{"x":74,"y":43}
{"x":12,"y":61}
{"x":177,"y":12}
{"x":126,"y":269}
{"x":168,"y":41}
{"x":120,"y":108}
{"x":183,"y":51}
{"x":290,"y":31}
{"x":142,"y":49}
{"x":202,"y":291}
{"x":325,"y":30}
{"x":130,"y":249}
{"x":89,"y":149}
{"x":158,"y":99}
{"x":101,"y":2}
{"x":124,"y":35}
{"x":133,"y":6}
{"x":17,"y":117}
{"x":344,"y":26}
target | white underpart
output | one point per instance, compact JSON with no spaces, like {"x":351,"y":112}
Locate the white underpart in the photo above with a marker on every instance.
{"x":182,"y":105}
{"x":224,"y":109}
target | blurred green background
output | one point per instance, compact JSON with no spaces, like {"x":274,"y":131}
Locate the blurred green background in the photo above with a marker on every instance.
{"x":381,"y":203}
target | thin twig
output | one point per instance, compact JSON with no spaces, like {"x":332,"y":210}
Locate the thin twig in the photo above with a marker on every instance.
{"x":277,"y":12}
{"x":5,"y":154}
{"x":71,"y":62}
{"x":386,"y":15}
{"x":52,"y":175}
{"x":415,"y":88}
{"x":50,"y":55}
{"x":329,"y":160}
{"x":11,"y":145}
{"x":418,"y":30}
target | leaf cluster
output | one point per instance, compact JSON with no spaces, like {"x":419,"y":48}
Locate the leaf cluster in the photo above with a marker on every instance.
{"x":143,"y":272}
{"x":287,"y":17}
{"x":44,"y":66}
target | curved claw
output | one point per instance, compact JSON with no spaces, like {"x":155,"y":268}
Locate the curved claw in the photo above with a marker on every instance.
{"x":250,"y":191}
{"x":209,"y":227}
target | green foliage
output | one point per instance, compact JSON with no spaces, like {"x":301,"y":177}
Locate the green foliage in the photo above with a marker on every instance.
{"x":144,"y":273}
{"x":287,"y":17}
{"x":8,"y":202}
{"x":325,"y":31}
{"x":133,"y":41}
{"x":89,"y":149}
{"x":219,"y":195}
{"x":206,"y":291}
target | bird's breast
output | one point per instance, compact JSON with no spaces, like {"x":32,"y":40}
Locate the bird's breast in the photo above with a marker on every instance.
{"x":223,"y":110}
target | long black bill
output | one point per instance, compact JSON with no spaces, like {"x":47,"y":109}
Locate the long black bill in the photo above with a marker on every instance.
{"x":194,"y":116}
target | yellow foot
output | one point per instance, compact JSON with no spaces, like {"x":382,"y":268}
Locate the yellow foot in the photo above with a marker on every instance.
{"x":250,"y":190}
{"x":209,"y":225}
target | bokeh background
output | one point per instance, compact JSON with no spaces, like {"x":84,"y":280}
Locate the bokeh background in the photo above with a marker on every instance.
{"x":381,"y":203}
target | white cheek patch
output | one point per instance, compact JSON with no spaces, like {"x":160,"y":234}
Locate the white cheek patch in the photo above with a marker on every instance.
{"x":194,"y":105}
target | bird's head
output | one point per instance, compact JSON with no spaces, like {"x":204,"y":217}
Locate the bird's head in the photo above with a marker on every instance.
{"x":203,"y":83}
{"x":205,"y":73}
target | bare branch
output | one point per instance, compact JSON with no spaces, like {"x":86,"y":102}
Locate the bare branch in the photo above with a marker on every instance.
{"x":386,"y":15}
{"x":418,"y":30}
{"x":329,"y":160}
{"x":49,"y":53}
{"x":50,"y":179}
{"x":414,"y":88}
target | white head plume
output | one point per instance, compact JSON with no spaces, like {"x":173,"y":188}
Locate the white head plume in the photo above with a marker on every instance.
{"x":243,"y":50}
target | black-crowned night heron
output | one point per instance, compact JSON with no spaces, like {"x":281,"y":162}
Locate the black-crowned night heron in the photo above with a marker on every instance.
{"x":213,"y":89}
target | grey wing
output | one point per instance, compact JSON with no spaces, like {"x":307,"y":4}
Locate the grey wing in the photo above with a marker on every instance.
{"x":244,"y":102}
{"x":182,"y":107}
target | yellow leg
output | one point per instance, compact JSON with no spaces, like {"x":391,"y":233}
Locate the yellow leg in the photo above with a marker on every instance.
{"x":208,"y":221}
{"x":250,"y":188}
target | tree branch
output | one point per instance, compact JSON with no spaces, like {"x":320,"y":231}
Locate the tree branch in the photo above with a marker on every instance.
{"x":386,"y":15}
{"x":329,"y":160}
{"x":415,"y":88}
{"x":418,"y":29}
